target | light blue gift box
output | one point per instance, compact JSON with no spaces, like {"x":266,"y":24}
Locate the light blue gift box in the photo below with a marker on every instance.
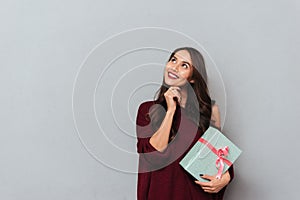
{"x":202,"y":160}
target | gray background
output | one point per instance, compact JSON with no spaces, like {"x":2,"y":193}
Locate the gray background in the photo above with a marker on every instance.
{"x":43,"y":44}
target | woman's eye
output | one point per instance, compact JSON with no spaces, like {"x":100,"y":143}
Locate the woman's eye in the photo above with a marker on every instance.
{"x":185,"y":66}
{"x":173,"y":60}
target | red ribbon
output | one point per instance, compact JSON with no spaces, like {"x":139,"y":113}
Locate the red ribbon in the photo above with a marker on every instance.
{"x":221,"y":153}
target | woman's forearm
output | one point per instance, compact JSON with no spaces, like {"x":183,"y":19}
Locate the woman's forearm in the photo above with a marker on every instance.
{"x":160,"y":138}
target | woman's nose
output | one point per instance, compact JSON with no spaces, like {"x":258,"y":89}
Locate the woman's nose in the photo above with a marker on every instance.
{"x":175,"y":67}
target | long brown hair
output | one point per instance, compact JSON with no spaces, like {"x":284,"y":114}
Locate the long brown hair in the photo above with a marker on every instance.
{"x":198,"y":105}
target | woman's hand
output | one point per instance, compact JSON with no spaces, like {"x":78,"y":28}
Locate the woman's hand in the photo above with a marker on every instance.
{"x":214,"y":185}
{"x":170,"y":95}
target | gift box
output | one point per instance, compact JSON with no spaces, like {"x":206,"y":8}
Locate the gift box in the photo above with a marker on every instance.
{"x":212,"y":154}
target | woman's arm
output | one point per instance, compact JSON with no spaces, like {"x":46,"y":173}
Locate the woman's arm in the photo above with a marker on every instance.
{"x":160,"y":138}
{"x":149,"y":157}
{"x":215,"y":185}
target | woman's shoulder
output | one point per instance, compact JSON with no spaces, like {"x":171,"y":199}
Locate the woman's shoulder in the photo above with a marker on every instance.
{"x":143,"y":113}
{"x":214,"y":107}
{"x":147,"y":103}
{"x":215,"y":115}
{"x":145,"y":106}
{"x":213,"y":102}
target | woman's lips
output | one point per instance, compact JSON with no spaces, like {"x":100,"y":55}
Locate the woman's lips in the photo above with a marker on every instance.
{"x":172,"y":76}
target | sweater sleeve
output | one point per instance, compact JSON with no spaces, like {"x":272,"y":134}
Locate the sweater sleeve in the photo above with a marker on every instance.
{"x":143,"y":129}
{"x":231,"y":172}
{"x":144,"y":132}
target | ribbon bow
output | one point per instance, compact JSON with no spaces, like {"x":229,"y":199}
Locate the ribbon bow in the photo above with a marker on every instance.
{"x":221,"y":153}
{"x":220,"y":161}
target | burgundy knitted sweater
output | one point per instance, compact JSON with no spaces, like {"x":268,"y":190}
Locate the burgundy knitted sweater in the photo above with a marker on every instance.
{"x":160,"y":175}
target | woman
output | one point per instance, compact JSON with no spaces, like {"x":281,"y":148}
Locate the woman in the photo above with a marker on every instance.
{"x":169,"y":126}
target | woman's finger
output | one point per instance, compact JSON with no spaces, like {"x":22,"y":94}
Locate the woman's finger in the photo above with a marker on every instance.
{"x":176,"y":93}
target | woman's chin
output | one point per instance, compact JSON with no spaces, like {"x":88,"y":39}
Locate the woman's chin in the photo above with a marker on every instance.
{"x":174,"y":84}
{"x":170,"y":84}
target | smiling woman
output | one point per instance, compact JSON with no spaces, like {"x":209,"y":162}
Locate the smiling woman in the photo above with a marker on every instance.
{"x":169,"y":126}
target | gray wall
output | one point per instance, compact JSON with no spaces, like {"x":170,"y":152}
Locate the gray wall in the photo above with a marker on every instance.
{"x":52,"y":75}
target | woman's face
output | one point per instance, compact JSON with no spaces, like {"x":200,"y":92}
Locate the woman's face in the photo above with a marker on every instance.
{"x":179,"y":70}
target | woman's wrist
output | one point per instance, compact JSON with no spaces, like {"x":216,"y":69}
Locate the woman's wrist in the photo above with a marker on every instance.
{"x":171,"y":111}
{"x":227,"y":177}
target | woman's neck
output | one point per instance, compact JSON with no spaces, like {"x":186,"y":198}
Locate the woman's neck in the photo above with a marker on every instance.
{"x":184,"y":95}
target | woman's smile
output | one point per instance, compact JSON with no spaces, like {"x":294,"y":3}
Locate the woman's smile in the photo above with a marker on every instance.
{"x":172,"y":75}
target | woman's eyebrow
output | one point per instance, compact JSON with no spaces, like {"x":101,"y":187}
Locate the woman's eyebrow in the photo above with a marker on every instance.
{"x":186,"y":62}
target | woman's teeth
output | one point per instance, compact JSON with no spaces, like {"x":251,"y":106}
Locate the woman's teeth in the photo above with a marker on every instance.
{"x":172,"y":75}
